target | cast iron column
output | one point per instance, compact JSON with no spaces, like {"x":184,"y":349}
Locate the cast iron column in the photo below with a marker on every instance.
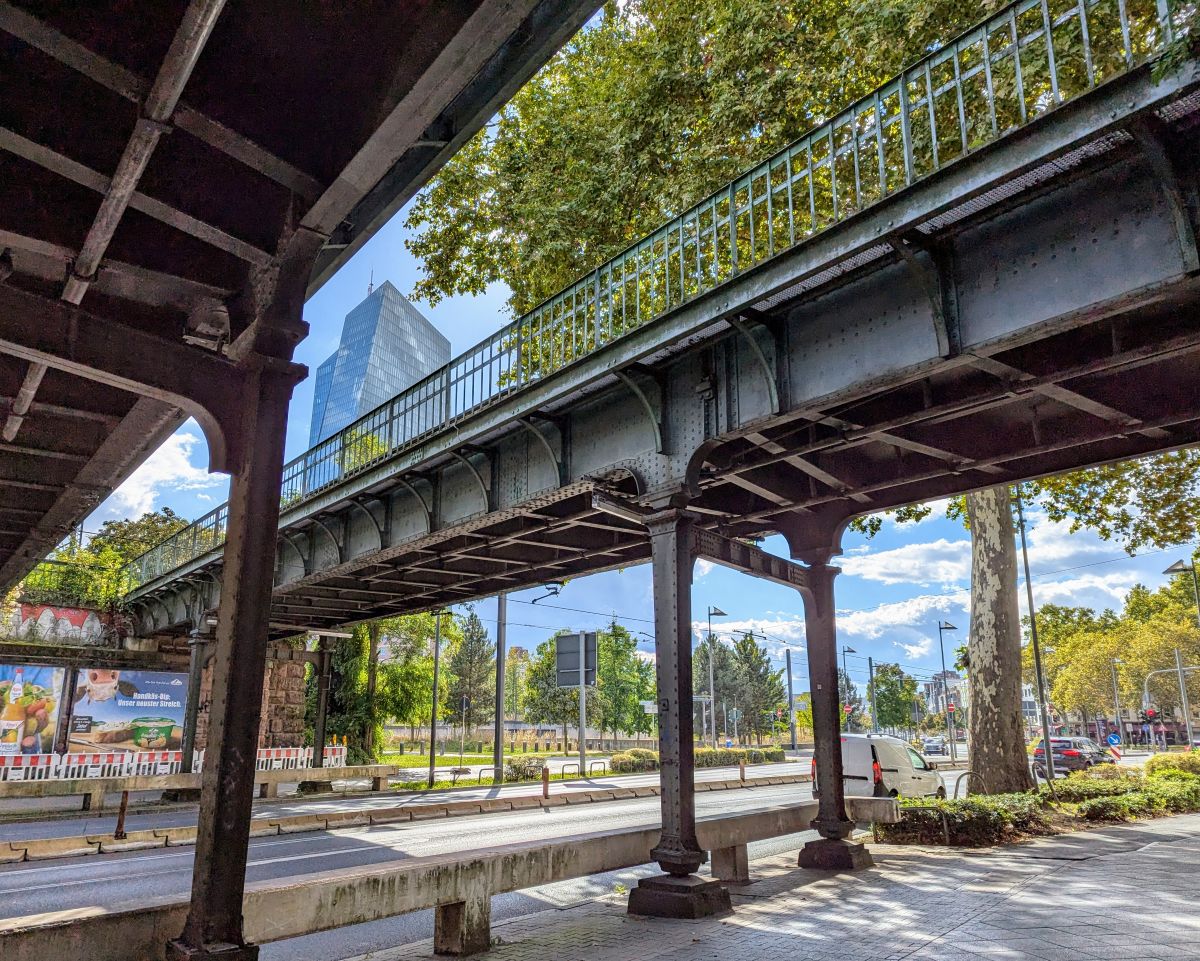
{"x":198,"y":649}
{"x":832,"y":851}
{"x":214,"y":923}
{"x":679,"y":892}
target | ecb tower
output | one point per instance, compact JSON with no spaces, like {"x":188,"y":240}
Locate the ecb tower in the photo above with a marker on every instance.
{"x":387,"y":345}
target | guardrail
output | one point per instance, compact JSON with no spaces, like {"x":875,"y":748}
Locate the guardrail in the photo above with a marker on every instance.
{"x":993,"y":79}
{"x":106,"y":764}
{"x":458,"y":886}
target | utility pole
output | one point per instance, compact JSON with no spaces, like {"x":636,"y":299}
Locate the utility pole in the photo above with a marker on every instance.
{"x":943,"y":627}
{"x":498,"y":725}
{"x":712,"y":689}
{"x":437,"y":647}
{"x":1047,"y":750}
{"x":871,"y":688}
{"x":791,"y":701}
{"x":583,"y":702}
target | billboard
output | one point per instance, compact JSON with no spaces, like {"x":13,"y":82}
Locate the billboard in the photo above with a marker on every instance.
{"x":29,"y":723}
{"x":117,"y":710}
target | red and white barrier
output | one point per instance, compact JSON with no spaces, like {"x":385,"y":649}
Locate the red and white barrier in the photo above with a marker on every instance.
{"x":45,"y":767}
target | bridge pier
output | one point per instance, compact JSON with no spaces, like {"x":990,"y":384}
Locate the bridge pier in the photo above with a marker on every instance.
{"x":679,"y":892}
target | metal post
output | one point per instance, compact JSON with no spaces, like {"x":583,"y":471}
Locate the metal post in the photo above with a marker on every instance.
{"x":1047,"y":751}
{"x":372,"y":684}
{"x":712,"y":687}
{"x":62,"y":736}
{"x":214,"y":922}
{"x":1196,"y":591}
{"x":498,"y":723}
{"x":437,"y":646}
{"x":197,"y":648}
{"x":463,"y":704}
{"x":833,"y":850}
{"x":1183,"y":699}
{"x":324,"y":667}
{"x":678,"y":893}
{"x":951,"y":733}
{"x":871,"y":688}
{"x":791,"y":700}
{"x":583,"y":703}
{"x":1117,"y":700}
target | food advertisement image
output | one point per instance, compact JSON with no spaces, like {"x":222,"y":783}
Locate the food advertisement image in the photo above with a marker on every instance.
{"x":118,"y":710}
{"x":29,"y":705}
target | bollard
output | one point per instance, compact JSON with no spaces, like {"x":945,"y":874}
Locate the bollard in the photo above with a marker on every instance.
{"x":742,"y":769}
{"x":545,"y":782}
{"x":119,"y":833}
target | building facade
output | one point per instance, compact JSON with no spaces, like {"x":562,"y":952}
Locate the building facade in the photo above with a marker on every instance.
{"x":387,"y":345}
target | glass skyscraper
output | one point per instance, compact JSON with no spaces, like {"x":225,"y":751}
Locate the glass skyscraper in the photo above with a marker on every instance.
{"x":387,"y":345}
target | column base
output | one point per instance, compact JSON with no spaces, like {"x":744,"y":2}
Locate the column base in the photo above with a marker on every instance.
{"x":671,"y":896}
{"x":178,"y":951}
{"x":830,"y":854}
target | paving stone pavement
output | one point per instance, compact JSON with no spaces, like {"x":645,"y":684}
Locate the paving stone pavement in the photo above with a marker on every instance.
{"x":1123,"y":892}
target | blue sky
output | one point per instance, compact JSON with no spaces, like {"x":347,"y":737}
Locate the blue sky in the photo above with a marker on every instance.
{"x":893,"y":590}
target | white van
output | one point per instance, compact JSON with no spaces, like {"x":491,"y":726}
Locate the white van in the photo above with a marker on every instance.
{"x":878,"y":765}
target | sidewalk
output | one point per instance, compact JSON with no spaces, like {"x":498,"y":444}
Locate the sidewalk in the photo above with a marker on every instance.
{"x":1081,"y":896}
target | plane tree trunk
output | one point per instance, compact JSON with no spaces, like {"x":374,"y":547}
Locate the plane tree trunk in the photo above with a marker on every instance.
{"x":995,"y":732}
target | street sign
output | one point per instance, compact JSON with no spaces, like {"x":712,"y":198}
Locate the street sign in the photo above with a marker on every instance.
{"x":567,"y":657}
{"x":649,"y":707}
{"x":846,"y":709}
{"x":1114,"y":739}
{"x":950,"y":707}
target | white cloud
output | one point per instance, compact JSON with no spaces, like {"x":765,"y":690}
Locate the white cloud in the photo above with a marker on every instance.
{"x":168,"y":467}
{"x":911,"y":612}
{"x":702,"y":569}
{"x":917,"y":649}
{"x":1097,"y":591}
{"x":204,"y":497}
{"x":935,"y":562}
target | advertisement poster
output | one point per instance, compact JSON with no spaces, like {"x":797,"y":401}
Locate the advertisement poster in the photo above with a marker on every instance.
{"x":27,"y":725}
{"x":128,"y":711}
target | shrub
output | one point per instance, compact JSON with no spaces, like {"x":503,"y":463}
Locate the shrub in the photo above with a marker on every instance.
{"x":643,"y":754}
{"x":1079,"y":787}
{"x":1177,"y":796}
{"x":1109,"y":772}
{"x":527,"y":767}
{"x":975,"y":821}
{"x":1174,"y":774}
{"x":1123,"y":807}
{"x":629,"y":763}
{"x":1189,"y":762}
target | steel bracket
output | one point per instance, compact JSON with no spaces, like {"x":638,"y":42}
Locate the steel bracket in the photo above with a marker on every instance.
{"x":305,"y":559}
{"x":1176,"y":181}
{"x":337,"y":541}
{"x":560,"y":467}
{"x":770,"y":375}
{"x":654,"y":419}
{"x":483,"y":487}
{"x":935,"y":273}
{"x":407,"y":485}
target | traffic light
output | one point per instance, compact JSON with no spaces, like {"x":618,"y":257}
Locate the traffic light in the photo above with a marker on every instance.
{"x":1151,"y":714}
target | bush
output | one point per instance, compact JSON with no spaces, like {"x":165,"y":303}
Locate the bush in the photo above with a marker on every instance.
{"x":1123,"y":807}
{"x":1078,"y":787}
{"x":527,"y":767}
{"x":1174,"y":774}
{"x":729,"y":756}
{"x":1109,"y":772}
{"x":643,"y":754}
{"x":975,"y":821}
{"x":629,"y":763}
{"x":1189,"y":762}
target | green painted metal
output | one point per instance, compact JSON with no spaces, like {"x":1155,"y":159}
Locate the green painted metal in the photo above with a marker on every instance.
{"x":994,"y":79}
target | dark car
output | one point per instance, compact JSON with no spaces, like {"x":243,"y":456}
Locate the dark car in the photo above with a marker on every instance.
{"x":1070,"y":754}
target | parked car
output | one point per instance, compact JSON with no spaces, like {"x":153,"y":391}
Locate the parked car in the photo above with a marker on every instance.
{"x":1070,"y":754}
{"x":933,"y":745}
{"x":878,"y":765}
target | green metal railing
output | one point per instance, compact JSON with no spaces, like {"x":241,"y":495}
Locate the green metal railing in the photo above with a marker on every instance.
{"x":995,"y":78}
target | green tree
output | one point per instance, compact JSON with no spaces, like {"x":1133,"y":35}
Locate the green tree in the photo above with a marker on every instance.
{"x":895,"y":696}
{"x":760,"y":687}
{"x":516,"y":668}
{"x":624,"y":681}
{"x":848,"y":697}
{"x":131,"y":538}
{"x":472,"y":667}
{"x":726,"y":678}
{"x":544,"y":702}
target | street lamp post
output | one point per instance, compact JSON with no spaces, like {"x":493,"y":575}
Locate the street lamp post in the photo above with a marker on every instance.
{"x":943,"y":627}
{"x":712,"y":690}
{"x":1037,"y":649}
{"x":437,"y":645}
{"x":1180,"y":567}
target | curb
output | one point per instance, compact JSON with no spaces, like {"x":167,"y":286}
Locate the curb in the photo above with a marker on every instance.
{"x":46,"y":848}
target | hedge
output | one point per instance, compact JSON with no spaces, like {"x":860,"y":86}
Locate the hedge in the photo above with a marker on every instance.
{"x":524,"y":767}
{"x":976,"y":821}
{"x":1188,"y":761}
{"x":639,"y":759}
{"x":1166,"y":790}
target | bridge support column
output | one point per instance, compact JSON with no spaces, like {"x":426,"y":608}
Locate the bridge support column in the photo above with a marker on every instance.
{"x":213,"y":929}
{"x":679,"y":893}
{"x":833,"y":851}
